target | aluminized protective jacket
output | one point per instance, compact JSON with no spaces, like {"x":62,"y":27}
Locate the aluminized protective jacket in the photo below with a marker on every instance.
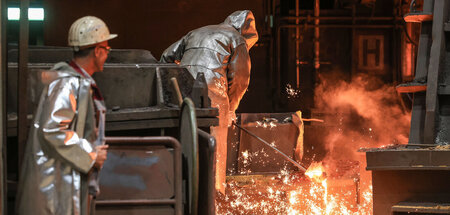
{"x":61,"y":147}
{"x":221,"y":53}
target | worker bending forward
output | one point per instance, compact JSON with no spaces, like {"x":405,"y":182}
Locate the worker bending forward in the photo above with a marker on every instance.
{"x":221,"y":52}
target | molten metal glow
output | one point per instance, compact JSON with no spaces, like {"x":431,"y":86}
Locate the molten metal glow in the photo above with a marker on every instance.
{"x":315,"y":171}
{"x":365,"y":115}
{"x":292,"y":193}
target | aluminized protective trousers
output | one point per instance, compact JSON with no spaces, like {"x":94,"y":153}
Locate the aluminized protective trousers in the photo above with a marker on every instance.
{"x":221,"y":53}
{"x":60,"y":151}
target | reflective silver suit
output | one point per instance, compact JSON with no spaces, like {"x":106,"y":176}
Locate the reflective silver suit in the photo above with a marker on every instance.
{"x":221,"y":53}
{"x":61,"y":146}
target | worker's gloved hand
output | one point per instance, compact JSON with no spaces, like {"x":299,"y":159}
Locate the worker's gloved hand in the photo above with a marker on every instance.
{"x":101,"y":156}
{"x":231,"y":118}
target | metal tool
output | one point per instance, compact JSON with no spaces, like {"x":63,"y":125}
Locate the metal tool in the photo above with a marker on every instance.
{"x":268,"y":144}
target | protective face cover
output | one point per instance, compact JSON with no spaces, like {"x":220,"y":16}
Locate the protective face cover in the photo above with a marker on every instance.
{"x":220,"y":52}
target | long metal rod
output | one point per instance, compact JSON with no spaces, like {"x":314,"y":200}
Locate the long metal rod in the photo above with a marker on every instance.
{"x":22,"y":101}
{"x":269,"y":145}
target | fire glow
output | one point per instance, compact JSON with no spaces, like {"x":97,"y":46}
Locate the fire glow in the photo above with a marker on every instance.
{"x":296,"y":194}
{"x":365,"y":116}
{"x":320,"y":196}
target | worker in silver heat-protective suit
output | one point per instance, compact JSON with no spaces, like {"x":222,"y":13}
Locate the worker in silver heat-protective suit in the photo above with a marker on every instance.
{"x":221,"y":52}
{"x":65,"y":148}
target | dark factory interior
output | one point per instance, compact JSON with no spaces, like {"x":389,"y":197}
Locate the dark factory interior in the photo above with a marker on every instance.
{"x":321,"y":107}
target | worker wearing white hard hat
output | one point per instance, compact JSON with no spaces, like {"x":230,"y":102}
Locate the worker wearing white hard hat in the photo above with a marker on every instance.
{"x":65,"y":148}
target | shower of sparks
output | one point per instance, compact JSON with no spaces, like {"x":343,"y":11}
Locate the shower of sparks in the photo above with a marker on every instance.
{"x":291,"y":92}
{"x":292,"y":193}
{"x":266,"y":124}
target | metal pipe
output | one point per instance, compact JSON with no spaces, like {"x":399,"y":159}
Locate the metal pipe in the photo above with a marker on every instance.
{"x":154,"y":141}
{"x":303,"y":169}
{"x":176,"y":90}
{"x":22,"y":95}
{"x":316,"y":36}
{"x":159,"y":88}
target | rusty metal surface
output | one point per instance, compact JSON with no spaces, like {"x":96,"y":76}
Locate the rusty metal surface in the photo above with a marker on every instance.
{"x":141,"y":176}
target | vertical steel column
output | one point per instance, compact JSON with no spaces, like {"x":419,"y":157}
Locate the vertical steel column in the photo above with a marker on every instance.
{"x":440,"y":15}
{"x":22,"y":97}
{"x":3,"y":116}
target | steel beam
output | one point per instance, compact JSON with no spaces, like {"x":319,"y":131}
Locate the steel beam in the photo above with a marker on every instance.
{"x":22,"y":112}
{"x":436,"y":53}
{"x":3,"y":116}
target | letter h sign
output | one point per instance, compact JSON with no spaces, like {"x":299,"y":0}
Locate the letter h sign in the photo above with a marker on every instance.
{"x":371,"y":52}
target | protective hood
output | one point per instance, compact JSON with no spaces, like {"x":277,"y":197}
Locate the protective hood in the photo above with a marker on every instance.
{"x":244,"y":22}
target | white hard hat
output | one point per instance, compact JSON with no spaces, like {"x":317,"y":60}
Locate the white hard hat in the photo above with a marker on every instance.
{"x":87,"y":31}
